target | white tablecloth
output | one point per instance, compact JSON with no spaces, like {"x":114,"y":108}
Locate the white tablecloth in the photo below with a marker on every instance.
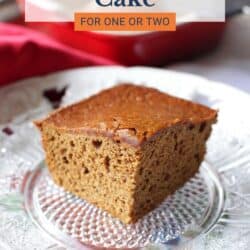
{"x":230,"y":62}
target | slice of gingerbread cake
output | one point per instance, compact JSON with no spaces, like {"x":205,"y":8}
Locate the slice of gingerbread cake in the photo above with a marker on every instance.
{"x":127,"y":148}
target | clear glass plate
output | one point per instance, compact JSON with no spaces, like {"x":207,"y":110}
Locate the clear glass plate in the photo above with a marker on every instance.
{"x":204,"y":220}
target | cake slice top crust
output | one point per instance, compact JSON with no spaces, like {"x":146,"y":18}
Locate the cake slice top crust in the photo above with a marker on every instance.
{"x":128,"y":113}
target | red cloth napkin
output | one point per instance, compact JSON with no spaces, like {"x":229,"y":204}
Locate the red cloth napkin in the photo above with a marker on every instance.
{"x":26,"y":53}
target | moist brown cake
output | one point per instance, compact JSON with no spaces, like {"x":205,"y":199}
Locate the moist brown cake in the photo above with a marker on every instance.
{"x":127,"y":148}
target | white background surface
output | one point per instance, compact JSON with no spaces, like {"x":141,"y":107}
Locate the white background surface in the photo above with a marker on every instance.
{"x":230,"y":63}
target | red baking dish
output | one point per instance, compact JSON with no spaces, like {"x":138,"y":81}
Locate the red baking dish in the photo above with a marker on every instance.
{"x":148,"y":48}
